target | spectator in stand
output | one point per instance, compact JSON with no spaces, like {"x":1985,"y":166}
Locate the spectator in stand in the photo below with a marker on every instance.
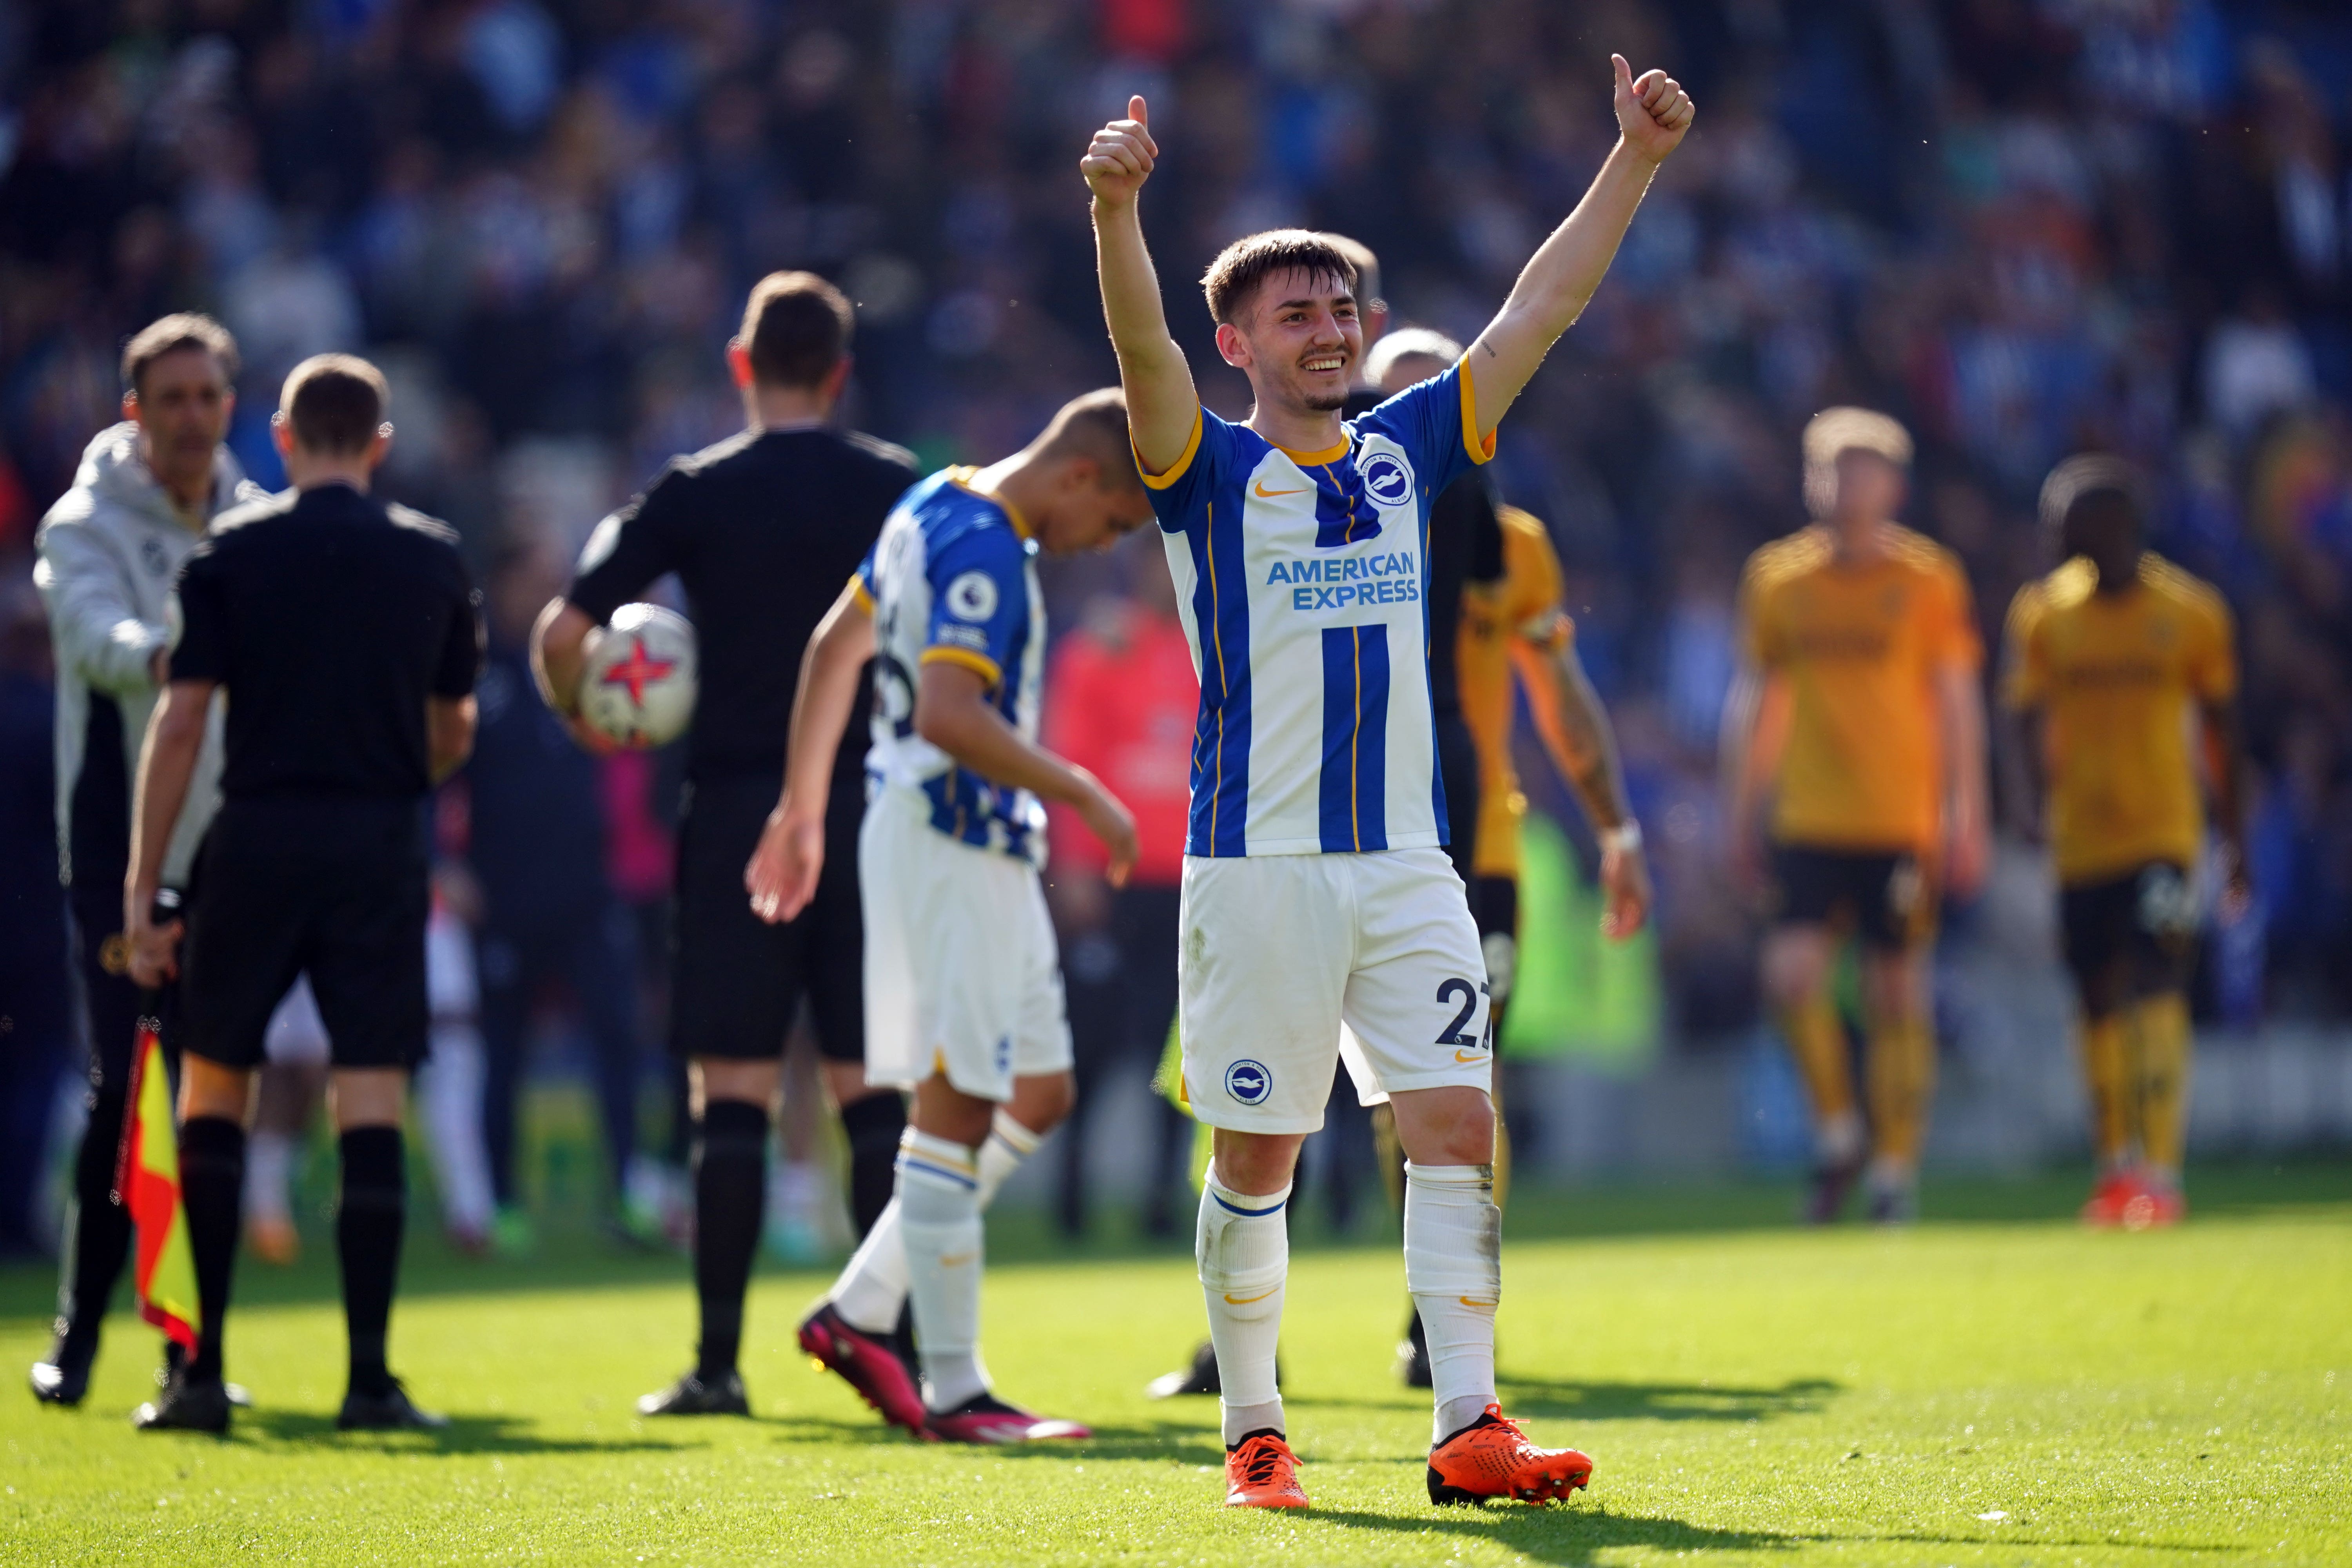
{"x":1120,"y":701}
{"x":36,"y":1015}
{"x":549,"y":919}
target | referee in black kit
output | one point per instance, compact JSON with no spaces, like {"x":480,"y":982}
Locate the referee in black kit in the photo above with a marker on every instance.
{"x":343,"y":632}
{"x":762,"y":530}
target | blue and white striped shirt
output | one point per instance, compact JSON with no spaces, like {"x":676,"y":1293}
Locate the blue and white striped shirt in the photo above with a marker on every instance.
{"x":1304,"y":577}
{"x":953,"y":578}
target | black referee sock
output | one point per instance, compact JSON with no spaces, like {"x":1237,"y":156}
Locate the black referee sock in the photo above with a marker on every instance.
{"x":369,"y":1220}
{"x":872,"y":1126}
{"x":212,"y":1190}
{"x":102,"y":1237}
{"x":730,"y":1181}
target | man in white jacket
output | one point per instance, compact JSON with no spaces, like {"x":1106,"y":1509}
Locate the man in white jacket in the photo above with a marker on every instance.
{"x":109,"y":551}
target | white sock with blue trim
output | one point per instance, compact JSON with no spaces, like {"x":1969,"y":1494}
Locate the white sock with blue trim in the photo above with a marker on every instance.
{"x":1244,"y":1250}
{"x":939,"y":1216}
{"x":873,"y":1284}
{"x":1454,"y":1267}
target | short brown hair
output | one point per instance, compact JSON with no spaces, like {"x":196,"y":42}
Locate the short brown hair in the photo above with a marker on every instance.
{"x":1233,"y":278}
{"x":169,"y":335}
{"x":1094,"y":424}
{"x":796,"y":327}
{"x":335,"y":403}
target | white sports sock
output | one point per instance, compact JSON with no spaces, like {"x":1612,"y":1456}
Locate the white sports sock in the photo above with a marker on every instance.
{"x":449,"y":1097}
{"x":1454,"y":1267}
{"x":939,"y":1218}
{"x":1242,"y":1247}
{"x":269,"y":1175}
{"x":873,"y":1284}
{"x":1008,"y":1144}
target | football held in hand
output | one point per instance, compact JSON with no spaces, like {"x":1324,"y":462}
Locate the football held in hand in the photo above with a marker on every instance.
{"x":637,"y":688}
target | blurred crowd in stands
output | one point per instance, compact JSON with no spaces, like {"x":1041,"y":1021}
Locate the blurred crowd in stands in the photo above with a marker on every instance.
{"x":2023,"y":226}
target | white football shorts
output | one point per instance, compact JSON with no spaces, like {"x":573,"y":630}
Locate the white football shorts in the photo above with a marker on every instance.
{"x":1279,"y":953}
{"x":963,"y":975}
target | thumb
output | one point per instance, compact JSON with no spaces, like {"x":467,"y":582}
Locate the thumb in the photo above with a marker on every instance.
{"x":1624,"y":75}
{"x":1139,"y":111}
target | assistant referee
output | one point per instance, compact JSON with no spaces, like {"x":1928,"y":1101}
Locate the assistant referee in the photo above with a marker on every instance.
{"x":762,"y":530}
{"x":343,"y":633}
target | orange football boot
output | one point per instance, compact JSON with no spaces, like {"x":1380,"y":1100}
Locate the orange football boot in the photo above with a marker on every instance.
{"x":1262,"y":1472}
{"x":2153,"y":1204}
{"x":1491,"y":1457}
{"x":2109,"y":1200}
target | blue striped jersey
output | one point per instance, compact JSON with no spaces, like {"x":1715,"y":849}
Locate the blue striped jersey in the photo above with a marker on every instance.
{"x":953,"y":577}
{"x":1303,"y":576}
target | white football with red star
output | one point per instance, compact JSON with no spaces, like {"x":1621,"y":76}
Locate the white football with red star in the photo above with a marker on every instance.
{"x":638,"y":690}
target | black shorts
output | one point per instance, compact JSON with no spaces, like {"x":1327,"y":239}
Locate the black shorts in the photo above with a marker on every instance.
{"x":735,"y":980}
{"x":2130,"y":935}
{"x":334,"y":890}
{"x":1885,"y":898}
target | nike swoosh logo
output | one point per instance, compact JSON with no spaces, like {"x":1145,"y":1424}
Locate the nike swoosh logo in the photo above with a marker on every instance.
{"x":1245,"y":1300}
{"x":1469,"y":1056}
{"x":959,"y":1258}
{"x":1469,"y":1302}
{"x":1266,"y":494}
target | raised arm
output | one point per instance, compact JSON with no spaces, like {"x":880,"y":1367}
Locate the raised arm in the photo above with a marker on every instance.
{"x":1558,"y":280}
{"x":1162,"y":403}
{"x":782,"y":873}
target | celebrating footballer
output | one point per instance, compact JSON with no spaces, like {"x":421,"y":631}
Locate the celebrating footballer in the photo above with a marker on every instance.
{"x":1317,"y":890}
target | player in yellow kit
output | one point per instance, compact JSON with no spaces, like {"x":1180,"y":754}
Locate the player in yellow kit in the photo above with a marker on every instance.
{"x":2113,"y":661}
{"x":1515,"y":627}
{"x":1857,"y":714}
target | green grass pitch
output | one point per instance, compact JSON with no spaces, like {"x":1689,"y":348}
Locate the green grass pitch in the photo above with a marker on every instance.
{"x":1988,"y":1388}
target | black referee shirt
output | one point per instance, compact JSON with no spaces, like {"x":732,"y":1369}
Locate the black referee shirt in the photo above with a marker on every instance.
{"x":329,"y":619}
{"x":762,"y":530}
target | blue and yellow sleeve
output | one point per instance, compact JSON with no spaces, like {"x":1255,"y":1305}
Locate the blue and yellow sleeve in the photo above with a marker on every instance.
{"x":1179,"y":494}
{"x":980,"y":601}
{"x":1436,"y":422}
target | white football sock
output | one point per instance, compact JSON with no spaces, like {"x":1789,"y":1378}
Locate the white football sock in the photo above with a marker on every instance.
{"x":450,"y":1101}
{"x":1454,"y":1267}
{"x":873,"y":1284}
{"x":1242,"y":1247}
{"x":939,"y":1218}
{"x":269,"y":1176}
{"x":1008,"y":1144}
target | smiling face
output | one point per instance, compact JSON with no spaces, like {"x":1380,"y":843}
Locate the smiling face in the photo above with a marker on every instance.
{"x":1298,"y":341}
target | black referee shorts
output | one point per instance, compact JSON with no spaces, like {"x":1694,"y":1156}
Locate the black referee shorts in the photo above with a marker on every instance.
{"x":735,"y":980}
{"x":334,"y":889}
{"x":1886,"y":899}
{"x":2128,"y":936}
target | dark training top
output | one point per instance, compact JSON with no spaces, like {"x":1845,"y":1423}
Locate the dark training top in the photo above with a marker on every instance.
{"x":329,"y":619}
{"x":763,"y":530}
{"x":1466,"y":545}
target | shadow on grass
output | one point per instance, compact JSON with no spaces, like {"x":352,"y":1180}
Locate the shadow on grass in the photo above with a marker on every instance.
{"x":1664,"y":1401}
{"x":1181,"y":1442}
{"x":1572,"y":1535}
{"x":464,"y":1434}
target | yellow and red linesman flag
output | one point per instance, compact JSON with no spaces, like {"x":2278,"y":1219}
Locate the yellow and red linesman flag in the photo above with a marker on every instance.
{"x":147,"y":1183}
